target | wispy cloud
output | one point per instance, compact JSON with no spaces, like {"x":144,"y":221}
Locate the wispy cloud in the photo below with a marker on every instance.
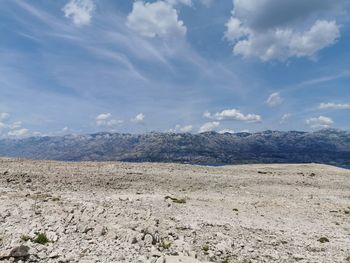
{"x":274,"y":99}
{"x":315,"y":81}
{"x":334,"y":106}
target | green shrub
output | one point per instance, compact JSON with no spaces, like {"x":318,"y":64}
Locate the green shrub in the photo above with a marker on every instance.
{"x":205,"y":248}
{"x":165,"y":244}
{"x":41,"y":238}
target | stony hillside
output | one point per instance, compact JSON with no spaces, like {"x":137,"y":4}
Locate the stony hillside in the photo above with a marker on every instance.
{"x":327,"y":146}
{"x":55,"y":212}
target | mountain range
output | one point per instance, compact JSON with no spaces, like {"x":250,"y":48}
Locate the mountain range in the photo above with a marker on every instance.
{"x":210,"y":148}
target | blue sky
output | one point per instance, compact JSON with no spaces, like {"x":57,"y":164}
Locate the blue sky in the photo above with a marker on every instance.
{"x":83,"y":66}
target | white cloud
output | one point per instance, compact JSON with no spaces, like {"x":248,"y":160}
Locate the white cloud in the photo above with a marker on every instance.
{"x":4,"y":116}
{"x":175,"y":2}
{"x":285,"y":117}
{"x":105,"y":120}
{"x":319,"y":122}
{"x":233,"y":114}
{"x":13,"y":129}
{"x":182,"y":129}
{"x":187,"y":128}
{"x":103,"y":116}
{"x":139,"y":118}
{"x":274,"y":99}
{"x":15,"y":125}
{"x":335,"y":106}
{"x":226,"y":131}
{"x":209,"y":126}
{"x":257,"y":28}
{"x":80,"y":11}
{"x":207,"y":3}
{"x":155,"y":19}
{"x":18,"y":133}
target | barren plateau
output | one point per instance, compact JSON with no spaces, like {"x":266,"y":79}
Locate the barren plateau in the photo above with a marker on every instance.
{"x":168,"y":213}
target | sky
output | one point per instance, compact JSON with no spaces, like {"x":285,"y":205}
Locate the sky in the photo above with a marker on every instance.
{"x":86,"y":66}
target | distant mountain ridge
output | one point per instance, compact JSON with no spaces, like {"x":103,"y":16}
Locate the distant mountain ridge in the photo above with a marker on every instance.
{"x":210,"y":148}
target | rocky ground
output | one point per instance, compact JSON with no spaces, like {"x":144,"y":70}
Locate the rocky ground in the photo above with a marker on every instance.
{"x":171,"y":213}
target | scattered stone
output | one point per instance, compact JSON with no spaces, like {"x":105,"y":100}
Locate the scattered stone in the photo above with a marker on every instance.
{"x":21,"y":251}
{"x":176,"y":200}
{"x":323,"y":240}
{"x":28,"y":180}
{"x":180,"y":259}
{"x":89,"y":223}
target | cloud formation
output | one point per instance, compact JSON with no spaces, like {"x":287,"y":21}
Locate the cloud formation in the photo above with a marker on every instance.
{"x":139,"y":118}
{"x":106,"y":120}
{"x":15,"y":125}
{"x":13,"y":129}
{"x":4,"y":116}
{"x":274,"y":29}
{"x":319,"y":122}
{"x":182,"y":129}
{"x":285,"y":117}
{"x":274,"y":99}
{"x":80,"y":11}
{"x":334,"y":106}
{"x":233,"y":114}
{"x":175,"y":2}
{"x":18,"y":133}
{"x":156,"y":19}
{"x":209,"y":126}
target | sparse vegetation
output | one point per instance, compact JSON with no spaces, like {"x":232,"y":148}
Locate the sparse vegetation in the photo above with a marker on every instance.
{"x":348,"y":259}
{"x":41,"y":238}
{"x":205,"y":249}
{"x":165,"y":244}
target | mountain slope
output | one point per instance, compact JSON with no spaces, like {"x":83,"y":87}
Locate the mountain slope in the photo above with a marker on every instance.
{"x":326,"y":146}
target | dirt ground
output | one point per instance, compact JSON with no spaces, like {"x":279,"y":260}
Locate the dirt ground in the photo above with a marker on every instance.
{"x":171,"y":213}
